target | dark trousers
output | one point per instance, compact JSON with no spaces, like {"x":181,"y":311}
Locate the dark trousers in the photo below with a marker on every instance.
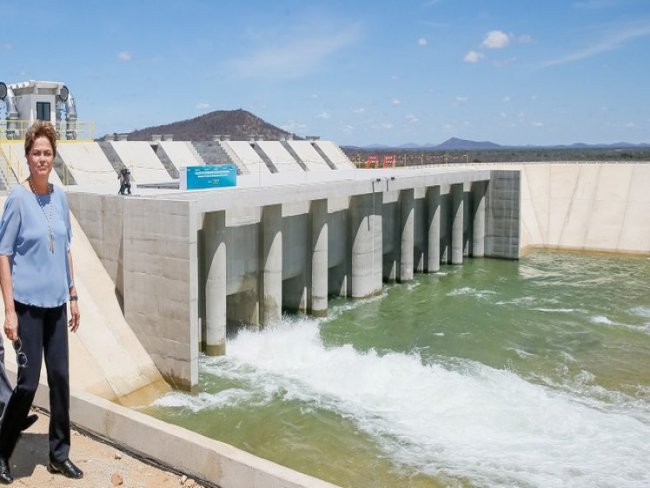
{"x":41,"y":330}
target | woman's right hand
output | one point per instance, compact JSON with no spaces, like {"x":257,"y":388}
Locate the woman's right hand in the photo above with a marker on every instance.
{"x":11,"y":325}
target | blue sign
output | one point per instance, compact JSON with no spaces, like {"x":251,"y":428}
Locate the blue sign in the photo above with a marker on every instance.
{"x":202,"y":177}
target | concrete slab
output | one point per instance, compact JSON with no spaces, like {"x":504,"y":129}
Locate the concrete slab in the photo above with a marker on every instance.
{"x":140,"y":158}
{"x":309,"y":156}
{"x":335,"y":155}
{"x":246,"y":154}
{"x":88,"y":163}
{"x":180,"y":153}
{"x":280,"y":157}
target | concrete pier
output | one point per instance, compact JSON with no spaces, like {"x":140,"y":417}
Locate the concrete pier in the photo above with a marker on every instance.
{"x":214,"y":232}
{"x":457,"y":211}
{"x":366,"y":240}
{"x":433,"y":229}
{"x":319,"y":258}
{"x":478,"y":223}
{"x":271,"y":275}
{"x":407,"y":212}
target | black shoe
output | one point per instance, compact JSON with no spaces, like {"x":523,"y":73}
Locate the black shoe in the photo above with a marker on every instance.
{"x":5,"y":473}
{"x":29,"y":421}
{"x":66,"y":468}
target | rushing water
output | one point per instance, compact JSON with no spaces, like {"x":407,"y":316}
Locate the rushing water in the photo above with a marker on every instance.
{"x":494,"y":373}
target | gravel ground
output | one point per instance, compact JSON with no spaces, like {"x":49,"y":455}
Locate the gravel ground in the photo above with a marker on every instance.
{"x":103,"y":465}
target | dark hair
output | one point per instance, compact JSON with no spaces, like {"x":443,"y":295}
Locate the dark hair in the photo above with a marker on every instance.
{"x":40,"y":128}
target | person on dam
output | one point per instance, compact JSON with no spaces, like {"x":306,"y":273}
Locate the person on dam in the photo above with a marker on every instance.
{"x":125,"y":180}
{"x":37,"y":281}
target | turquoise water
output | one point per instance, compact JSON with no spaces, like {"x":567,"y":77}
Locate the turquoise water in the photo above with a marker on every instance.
{"x":494,"y":373}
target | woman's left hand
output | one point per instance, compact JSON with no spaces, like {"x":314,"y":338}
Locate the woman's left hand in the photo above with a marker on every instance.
{"x":73,"y":323}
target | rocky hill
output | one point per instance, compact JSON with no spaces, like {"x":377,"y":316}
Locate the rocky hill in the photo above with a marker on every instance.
{"x":238,"y":124}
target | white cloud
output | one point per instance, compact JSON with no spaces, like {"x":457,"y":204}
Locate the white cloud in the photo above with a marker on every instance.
{"x":537,"y":124}
{"x":386,"y":125}
{"x":525,"y":39}
{"x":460,"y":99}
{"x":7,"y":46}
{"x":348,"y":129}
{"x":431,"y":3}
{"x":507,"y":99}
{"x":630,"y":125}
{"x":295,"y":59}
{"x":422,"y":42}
{"x":503,"y":115}
{"x":396,"y":101}
{"x":610,"y":43}
{"x":202,"y":105}
{"x":124,"y":56}
{"x":323,"y":115}
{"x":359,"y":110}
{"x":534,"y":97}
{"x":412,"y":119}
{"x":496,"y":39}
{"x":473,"y":57}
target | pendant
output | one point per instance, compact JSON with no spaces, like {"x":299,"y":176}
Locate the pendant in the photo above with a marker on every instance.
{"x":51,"y":243}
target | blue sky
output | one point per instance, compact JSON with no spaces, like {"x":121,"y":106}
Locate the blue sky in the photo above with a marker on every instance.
{"x":389,"y":72}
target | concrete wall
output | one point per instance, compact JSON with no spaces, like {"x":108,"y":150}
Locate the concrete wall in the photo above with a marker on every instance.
{"x":503,"y":217}
{"x":149,"y":250}
{"x":586,"y":206}
{"x":160,"y":284}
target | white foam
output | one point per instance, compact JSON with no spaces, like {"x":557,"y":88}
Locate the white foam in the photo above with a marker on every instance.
{"x":520,"y":352}
{"x":460,"y":418}
{"x":641,"y":311}
{"x":469,"y":291}
{"x":555,"y":310}
{"x":601,"y":319}
{"x":205,"y":401}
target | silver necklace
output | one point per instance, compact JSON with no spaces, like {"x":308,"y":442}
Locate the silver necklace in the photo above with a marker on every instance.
{"x":48,"y":217}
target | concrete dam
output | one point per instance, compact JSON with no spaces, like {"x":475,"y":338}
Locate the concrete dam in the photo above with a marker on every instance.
{"x":189,"y":264}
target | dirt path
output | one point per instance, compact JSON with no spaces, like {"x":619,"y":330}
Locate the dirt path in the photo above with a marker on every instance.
{"x":102,"y":464}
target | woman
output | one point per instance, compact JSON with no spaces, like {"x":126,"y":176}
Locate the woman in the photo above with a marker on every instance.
{"x":36,"y":276}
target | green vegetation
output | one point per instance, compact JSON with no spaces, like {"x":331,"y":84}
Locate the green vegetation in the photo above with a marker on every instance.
{"x":420,"y":157}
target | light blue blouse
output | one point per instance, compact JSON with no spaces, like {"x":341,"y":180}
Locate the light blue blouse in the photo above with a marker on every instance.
{"x":40,"y":277}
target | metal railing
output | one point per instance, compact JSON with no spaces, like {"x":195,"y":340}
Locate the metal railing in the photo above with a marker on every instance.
{"x":77,"y":131}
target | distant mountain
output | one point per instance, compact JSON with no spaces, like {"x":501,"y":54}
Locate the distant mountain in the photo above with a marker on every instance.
{"x":463,"y":144}
{"x":453,"y":144}
{"x":456,"y":144}
{"x":615,"y":145}
{"x":238,"y":124}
